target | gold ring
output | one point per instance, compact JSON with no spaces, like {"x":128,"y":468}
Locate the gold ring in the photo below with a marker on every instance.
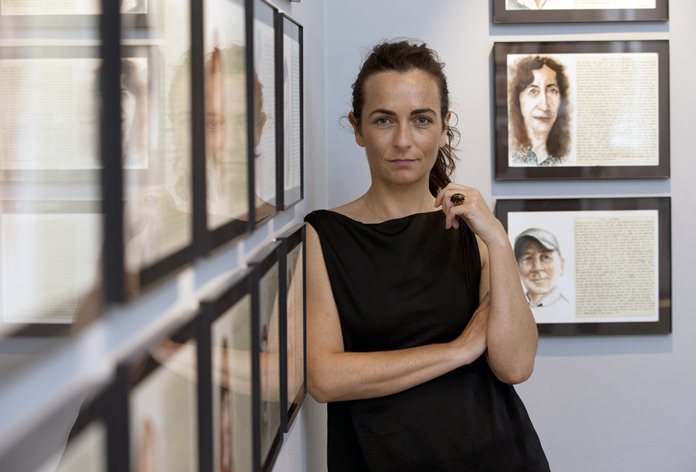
{"x":457,"y":199}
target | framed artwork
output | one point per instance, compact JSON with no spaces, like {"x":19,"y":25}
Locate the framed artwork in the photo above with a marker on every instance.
{"x":228,"y":315}
{"x":71,"y":14}
{"x":159,"y":410}
{"x":225,"y":182}
{"x":50,"y":249}
{"x":293,"y":323}
{"x":261,"y":90}
{"x":566,"y":11}
{"x":266,"y":296}
{"x":593,"y":265}
{"x":582,"y":110}
{"x":155,"y":101}
{"x":290,"y":111}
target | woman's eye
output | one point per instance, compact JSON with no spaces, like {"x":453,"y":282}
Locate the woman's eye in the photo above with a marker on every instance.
{"x":553,"y":90}
{"x":423,"y":120}
{"x":382,"y":121}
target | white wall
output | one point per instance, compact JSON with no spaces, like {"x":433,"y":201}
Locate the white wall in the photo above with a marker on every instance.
{"x":598,"y":403}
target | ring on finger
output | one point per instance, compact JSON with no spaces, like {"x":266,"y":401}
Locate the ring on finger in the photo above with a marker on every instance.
{"x":457,"y":199}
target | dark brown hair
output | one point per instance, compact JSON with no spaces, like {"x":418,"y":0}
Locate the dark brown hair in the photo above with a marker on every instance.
{"x":558,"y":141}
{"x":403,"y":56}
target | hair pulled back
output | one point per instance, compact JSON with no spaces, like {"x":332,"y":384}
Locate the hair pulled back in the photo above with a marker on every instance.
{"x":403,"y":56}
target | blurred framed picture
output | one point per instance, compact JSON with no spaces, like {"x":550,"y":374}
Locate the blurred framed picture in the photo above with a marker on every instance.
{"x":570,"y":11}
{"x":228,"y":314}
{"x":267,"y":355}
{"x":593,"y":265}
{"x":293,"y":323}
{"x":582,"y":110}
{"x":69,"y":14}
{"x":160,"y":406}
{"x":262,"y":96}
{"x":290,"y":111}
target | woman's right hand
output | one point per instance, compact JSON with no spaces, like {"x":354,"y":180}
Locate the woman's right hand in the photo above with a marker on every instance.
{"x":472,"y":343}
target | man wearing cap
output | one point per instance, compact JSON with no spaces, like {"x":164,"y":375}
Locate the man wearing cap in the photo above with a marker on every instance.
{"x":541,"y":267}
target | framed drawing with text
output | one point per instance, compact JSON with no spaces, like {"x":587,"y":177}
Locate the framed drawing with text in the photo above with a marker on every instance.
{"x":293,"y":324}
{"x":582,"y":110}
{"x":570,"y":11}
{"x":159,"y":409}
{"x":267,"y":355}
{"x":593,"y":265}
{"x":229,"y":321}
{"x":290,"y":112}
{"x":261,"y":96}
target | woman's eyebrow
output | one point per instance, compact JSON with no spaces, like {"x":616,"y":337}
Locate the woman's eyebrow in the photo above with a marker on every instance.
{"x":383,"y":111}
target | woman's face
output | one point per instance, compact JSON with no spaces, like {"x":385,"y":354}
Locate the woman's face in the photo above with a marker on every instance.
{"x":539,"y":102}
{"x":401,"y":127}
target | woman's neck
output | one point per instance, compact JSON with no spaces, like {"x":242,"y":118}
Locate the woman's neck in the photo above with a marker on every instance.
{"x":388,"y":204}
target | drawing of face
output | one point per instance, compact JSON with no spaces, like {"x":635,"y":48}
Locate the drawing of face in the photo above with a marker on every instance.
{"x":539,"y":102}
{"x":540,"y":269}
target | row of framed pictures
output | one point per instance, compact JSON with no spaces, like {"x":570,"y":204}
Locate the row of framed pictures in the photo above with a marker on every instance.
{"x":593,"y":265}
{"x":176,"y":132}
{"x":217,"y":393}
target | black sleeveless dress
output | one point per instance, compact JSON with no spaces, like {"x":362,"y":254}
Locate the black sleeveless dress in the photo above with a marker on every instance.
{"x":403,"y":283}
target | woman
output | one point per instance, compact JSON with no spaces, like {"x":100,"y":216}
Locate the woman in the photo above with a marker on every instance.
{"x":539,"y":124}
{"x":408,"y":287}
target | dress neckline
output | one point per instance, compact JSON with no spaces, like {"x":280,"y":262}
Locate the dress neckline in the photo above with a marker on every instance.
{"x":390,"y":221}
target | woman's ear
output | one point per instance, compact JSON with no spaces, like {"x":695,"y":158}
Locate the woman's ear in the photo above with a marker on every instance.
{"x":356,"y":129}
{"x":445,"y":126}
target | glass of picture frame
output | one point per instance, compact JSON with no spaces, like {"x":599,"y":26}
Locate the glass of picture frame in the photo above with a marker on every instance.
{"x":593,"y":265}
{"x":267,"y":354}
{"x":569,"y":11}
{"x":228,"y":314}
{"x":293,"y":323}
{"x":159,"y":406}
{"x":290,"y":111}
{"x":263,"y":120}
{"x":581,"y":110}
{"x":156,"y":151}
{"x":225,"y":182}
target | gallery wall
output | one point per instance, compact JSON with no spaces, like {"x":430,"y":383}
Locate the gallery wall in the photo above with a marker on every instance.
{"x":599,"y":403}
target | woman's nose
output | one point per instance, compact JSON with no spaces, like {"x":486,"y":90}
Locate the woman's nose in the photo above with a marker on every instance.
{"x":403,"y":136}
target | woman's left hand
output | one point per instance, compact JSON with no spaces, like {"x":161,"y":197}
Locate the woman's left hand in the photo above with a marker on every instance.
{"x":473,"y":209}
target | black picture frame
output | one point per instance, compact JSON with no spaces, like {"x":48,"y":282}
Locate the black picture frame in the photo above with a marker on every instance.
{"x":290,"y":111}
{"x":40,"y":224}
{"x":267,"y":355}
{"x":224,"y":211}
{"x":263,"y":121}
{"x":159,"y":409}
{"x":227,"y":318}
{"x":604,"y":127}
{"x":293,"y":323}
{"x":503,"y":15}
{"x":619,"y":262}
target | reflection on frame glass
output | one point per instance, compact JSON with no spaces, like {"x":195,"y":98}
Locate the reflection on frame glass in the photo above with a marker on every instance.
{"x":293,"y":324}
{"x":50,"y":249}
{"x":162,"y":412}
{"x":156,"y":140}
{"x":582,"y":110}
{"x":232,"y":382}
{"x":593,"y":266}
{"x":564,"y":11}
{"x":264,"y":106}
{"x":226,"y":128}
{"x":86,"y":448}
{"x":267,"y":349}
{"x":291,"y":182}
